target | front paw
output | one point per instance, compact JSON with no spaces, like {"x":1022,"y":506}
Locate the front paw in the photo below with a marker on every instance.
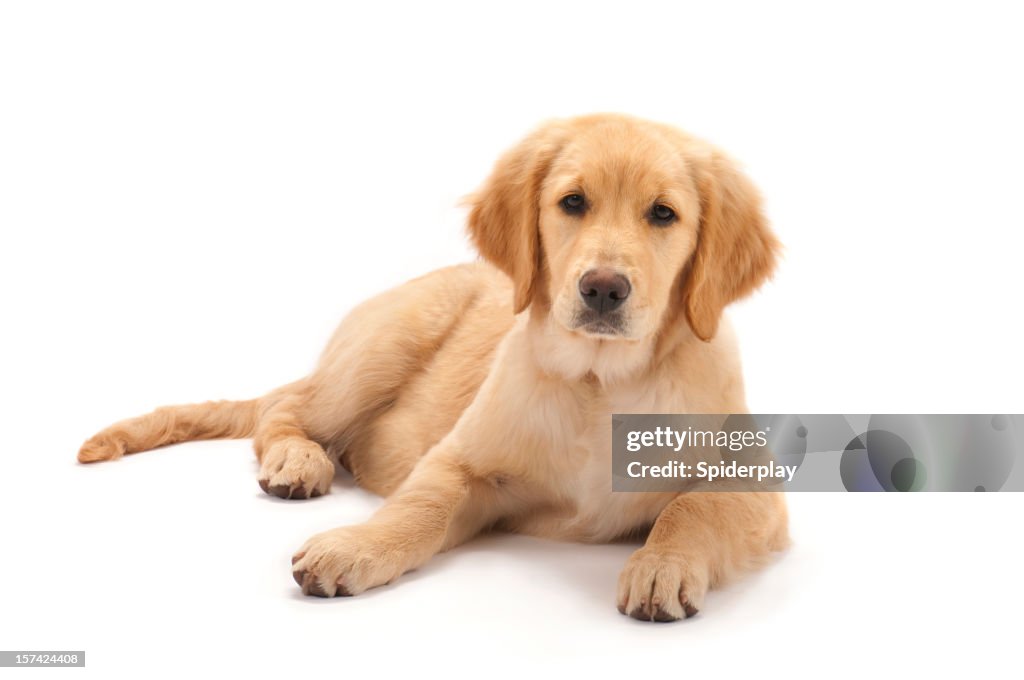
{"x":661,"y":585}
{"x":346,"y":561}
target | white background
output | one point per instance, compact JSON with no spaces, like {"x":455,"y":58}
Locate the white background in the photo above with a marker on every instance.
{"x":192,"y":194}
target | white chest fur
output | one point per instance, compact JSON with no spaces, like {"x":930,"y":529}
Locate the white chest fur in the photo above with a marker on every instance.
{"x":565,"y":422}
{"x":601,"y":514}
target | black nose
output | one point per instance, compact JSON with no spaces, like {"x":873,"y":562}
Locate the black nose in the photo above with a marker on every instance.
{"x":604,"y":290}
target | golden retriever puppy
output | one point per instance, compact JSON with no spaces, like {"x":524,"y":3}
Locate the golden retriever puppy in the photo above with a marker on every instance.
{"x":480,"y":396}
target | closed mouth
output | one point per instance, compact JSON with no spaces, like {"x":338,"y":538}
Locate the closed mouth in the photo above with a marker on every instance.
{"x":593,"y":323}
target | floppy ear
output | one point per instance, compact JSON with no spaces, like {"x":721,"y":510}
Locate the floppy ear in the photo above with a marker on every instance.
{"x":736,"y":251}
{"x":503,"y":221}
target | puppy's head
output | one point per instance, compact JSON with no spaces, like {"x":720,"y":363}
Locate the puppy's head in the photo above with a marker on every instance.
{"x":615,"y":226}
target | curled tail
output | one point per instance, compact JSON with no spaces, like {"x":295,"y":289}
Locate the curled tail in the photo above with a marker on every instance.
{"x":173,"y":424}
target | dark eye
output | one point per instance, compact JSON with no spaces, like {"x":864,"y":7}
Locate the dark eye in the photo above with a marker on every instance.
{"x":573,"y":204}
{"x":662,"y":215}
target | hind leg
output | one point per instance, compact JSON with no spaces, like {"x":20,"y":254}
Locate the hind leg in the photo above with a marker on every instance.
{"x":291,"y":465}
{"x":376,"y":361}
